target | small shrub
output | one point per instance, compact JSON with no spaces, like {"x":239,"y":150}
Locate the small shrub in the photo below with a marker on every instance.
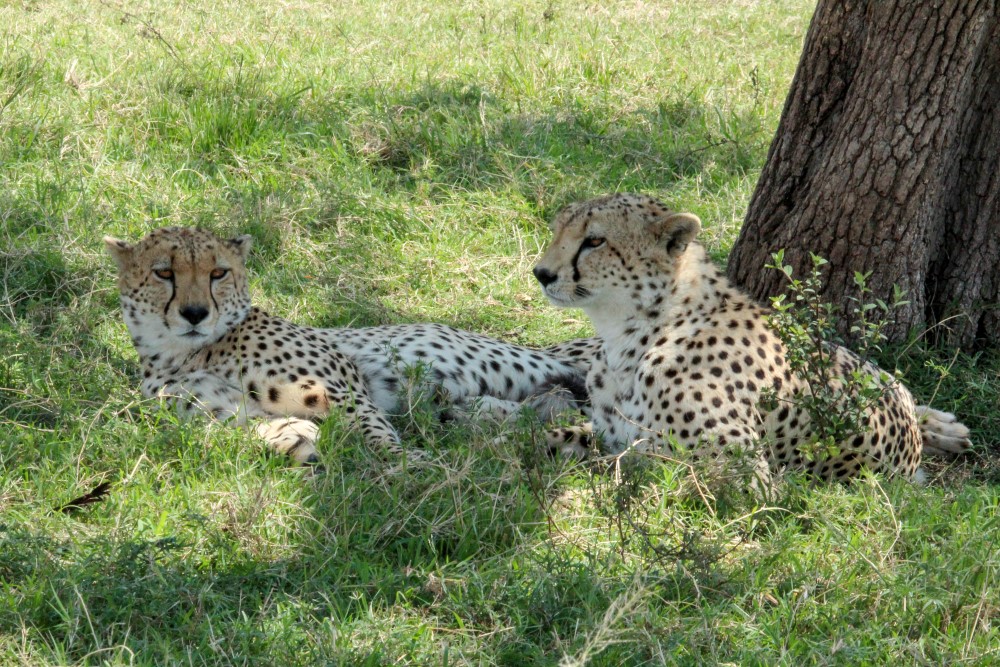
{"x":838,"y":407}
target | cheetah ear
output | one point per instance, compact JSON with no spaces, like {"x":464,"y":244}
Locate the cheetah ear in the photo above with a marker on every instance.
{"x":120,"y":251}
{"x":676,"y":231}
{"x":241,"y":245}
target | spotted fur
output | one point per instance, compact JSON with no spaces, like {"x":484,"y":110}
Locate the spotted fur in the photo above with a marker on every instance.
{"x":685,"y":357}
{"x":186,"y":303}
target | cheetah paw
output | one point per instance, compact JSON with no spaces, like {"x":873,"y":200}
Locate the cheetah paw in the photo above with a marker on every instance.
{"x":295,"y":438}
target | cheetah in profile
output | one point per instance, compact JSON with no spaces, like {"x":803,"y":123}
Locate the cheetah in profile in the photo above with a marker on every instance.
{"x":185,"y":300}
{"x":683,"y":356}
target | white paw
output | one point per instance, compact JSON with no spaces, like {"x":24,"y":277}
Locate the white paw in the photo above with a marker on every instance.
{"x":292,"y":437}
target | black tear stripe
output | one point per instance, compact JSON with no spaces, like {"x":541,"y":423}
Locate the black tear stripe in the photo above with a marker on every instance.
{"x":173,"y":293}
{"x":211,"y":286}
{"x":576,"y":270}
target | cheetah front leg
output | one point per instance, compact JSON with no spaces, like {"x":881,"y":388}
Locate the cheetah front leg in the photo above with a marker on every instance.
{"x":205,"y":393}
{"x":200,"y":392}
{"x":313,"y":398}
{"x":290,"y":429}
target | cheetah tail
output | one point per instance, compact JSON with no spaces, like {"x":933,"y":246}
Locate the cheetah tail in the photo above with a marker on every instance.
{"x":942,"y":433}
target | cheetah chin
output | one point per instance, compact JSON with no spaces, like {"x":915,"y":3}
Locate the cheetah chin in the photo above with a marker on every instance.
{"x":685,"y":358}
{"x":203,"y":346}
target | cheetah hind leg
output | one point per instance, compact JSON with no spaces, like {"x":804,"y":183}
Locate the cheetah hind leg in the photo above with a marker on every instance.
{"x":547,"y":406}
{"x":942,"y":433}
{"x":573,"y":442}
{"x":559,"y":400}
{"x":293,"y":437}
{"x":362,"y":413}
{"x":482,"y":408}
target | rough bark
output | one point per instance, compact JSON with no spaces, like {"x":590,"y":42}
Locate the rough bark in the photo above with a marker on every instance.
{"x":886,"y":160}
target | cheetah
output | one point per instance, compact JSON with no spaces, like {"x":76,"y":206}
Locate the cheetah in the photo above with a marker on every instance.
{"x":682,"y":356}
{"x":204,"y":346}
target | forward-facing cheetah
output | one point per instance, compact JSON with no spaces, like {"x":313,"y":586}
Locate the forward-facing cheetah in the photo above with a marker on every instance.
{"x":185,"y":300}
{"x":686,"y":357}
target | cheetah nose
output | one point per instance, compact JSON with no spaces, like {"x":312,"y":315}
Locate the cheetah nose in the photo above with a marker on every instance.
{"x":194,"y":314}
{"x":545,"y":277}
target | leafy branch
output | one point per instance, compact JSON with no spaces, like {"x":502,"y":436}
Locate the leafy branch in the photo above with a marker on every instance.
{"x":838,"y":388}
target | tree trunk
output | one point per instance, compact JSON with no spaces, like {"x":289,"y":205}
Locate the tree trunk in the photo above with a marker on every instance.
{"x":886,"y":160}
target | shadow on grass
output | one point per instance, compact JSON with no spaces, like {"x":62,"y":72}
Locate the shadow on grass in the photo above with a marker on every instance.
{"x":449,"y":135}
{"x":456,"y":135}
{"x":377,"y":567}
{"x":364,"y":155}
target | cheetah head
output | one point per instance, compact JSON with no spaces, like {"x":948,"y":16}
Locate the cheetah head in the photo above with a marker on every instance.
{"x":605,"y":250}
{"x":181,"y":288}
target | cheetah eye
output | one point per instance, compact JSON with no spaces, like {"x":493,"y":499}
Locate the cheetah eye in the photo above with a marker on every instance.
{"x":165,"y":274}
{"x":218,"y":274}
{"x":593,"y":242}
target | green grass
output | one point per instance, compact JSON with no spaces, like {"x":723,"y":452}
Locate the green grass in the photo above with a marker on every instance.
{"x":399,"y":162}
